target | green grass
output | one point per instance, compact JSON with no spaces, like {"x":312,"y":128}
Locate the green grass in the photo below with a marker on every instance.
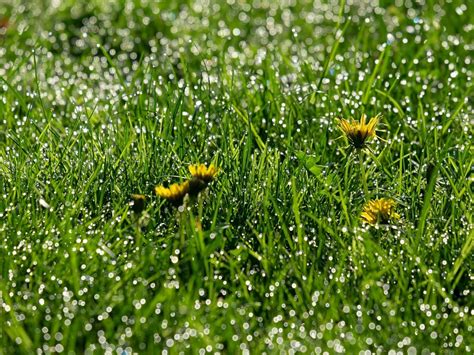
{"x":102,"y":99}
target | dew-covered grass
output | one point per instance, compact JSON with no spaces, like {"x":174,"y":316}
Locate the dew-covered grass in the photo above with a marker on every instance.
{"x":102,"y":99}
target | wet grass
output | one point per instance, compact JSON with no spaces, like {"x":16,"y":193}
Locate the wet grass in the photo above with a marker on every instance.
{"x":100,"y":100}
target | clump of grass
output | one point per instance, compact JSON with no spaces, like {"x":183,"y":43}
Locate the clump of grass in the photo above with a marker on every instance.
{"x":100,"y":100}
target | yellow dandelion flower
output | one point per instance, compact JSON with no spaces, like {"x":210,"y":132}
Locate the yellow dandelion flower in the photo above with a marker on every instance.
{"x":201,"y":172}
{"x":359,"y":133}
{"x":379,"y":211}
{"x":174,"y":193}
{"x":137,"y":203}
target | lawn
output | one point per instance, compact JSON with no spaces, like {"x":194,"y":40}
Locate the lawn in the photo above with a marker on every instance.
{"x":306,"y":230}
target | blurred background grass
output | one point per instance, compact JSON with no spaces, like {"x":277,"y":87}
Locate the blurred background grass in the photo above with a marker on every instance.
{"x":101,"y":99}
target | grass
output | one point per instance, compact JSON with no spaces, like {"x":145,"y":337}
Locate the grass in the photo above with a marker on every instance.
{"x":103,"y":99}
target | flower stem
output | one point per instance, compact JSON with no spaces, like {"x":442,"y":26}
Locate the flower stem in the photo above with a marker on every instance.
{"x":181,"y":221}
{"x":138,"y":233}
{"x":363,"y":175}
